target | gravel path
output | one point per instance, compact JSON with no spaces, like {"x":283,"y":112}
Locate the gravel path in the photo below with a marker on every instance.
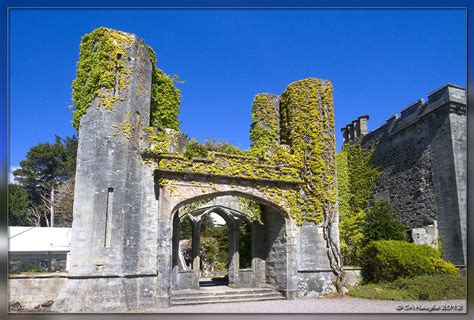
{"x":313,"y":305}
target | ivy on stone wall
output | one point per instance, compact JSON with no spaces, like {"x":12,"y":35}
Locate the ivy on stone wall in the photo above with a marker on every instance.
{"x":363,"y":174}
{"x":308,"y":162}
{"x":100,"y":70}
{"x":265,"y":127}
{"x":309,"y":125}
{"x":165,"y":98}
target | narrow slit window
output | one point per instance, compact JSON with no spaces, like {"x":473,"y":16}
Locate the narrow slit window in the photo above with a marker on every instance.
{"x":108,"y":217}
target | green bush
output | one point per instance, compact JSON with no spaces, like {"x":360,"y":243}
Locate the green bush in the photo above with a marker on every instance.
{"x":388,"y":260}
{"x":195,"y":149}
{"x":382,"y":223}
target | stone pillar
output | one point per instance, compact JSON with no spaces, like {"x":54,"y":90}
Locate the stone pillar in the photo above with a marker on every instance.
{"x":344,"y":135}
{"x":258,"y":253}
{"x":350,"y":132}
{"x":363,"y":125}
{"x":196,"y":244}
{"x":175,"y":261}
{"x":234,"y":254}
{"x":355,"y":125}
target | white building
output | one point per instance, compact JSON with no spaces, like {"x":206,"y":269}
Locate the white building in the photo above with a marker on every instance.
{"x":36,"y":248}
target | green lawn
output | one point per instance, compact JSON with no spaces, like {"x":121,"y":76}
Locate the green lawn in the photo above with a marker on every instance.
{"x":431,"y":287}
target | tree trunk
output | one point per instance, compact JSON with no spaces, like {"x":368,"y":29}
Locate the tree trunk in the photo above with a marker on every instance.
{"x":52,"y":208}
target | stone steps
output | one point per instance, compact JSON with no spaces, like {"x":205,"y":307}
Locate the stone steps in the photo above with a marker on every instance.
{"x":190,"y":297}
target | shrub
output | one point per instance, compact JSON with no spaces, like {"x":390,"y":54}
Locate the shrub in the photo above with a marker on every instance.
{"x":388,"y":260}
{"x":194,"y":149}
{"x":382,"y":223}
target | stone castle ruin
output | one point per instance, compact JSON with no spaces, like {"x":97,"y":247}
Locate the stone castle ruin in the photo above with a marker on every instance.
{"x":137,"y":180}
{"x":134,"y":184}
{"x":422,"y":154}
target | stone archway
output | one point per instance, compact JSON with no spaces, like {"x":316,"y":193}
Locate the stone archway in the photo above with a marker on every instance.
{"x":233,"y":219}
{"x":274,"y":243}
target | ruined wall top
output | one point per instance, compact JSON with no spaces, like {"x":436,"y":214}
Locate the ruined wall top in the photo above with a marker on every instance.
{"x":450,"y":95}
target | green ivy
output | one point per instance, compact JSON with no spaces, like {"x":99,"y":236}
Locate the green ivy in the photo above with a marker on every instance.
{"x":363,"y":174}
{"x":307,"y":125}
{"x":356,"y":178}
{"x":101,"y":61}
{"x":265,"y":127}
{"x":101,"y":70}
{"x":308,"y":163}
{"x":165,"y":101}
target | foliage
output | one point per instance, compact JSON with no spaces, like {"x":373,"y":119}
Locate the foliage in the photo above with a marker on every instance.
{"x":165,"y":101}
{"x":388,"y":260}
{"x":19,"y":206}
{"x":47,"y":166}
{"x":427,"y":287}
{"x":380,"y":291}
{"x":343,"y":194}
{"x":100,"y":70}
{"x":434,"y":287}
{"x":219,"y":164}
{"x":102,"y":73}
{"x":245,"y":249}
{"x":251,"y":208}
{"x":351,"y":233}
{"x":308,"y":127}
{"x":63,"y":205}
{"x":222,"y":147}
{"x":214,"y":244}
{"x":356,"y":178}
{"x":362,"y":174}
{"x":195,"y":149}
{"x":265,"y":127}
{"x":382,"y":223}
{"x":308,"y":163}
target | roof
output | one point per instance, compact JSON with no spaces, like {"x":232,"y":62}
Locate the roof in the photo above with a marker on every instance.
{"x":37,"y":239}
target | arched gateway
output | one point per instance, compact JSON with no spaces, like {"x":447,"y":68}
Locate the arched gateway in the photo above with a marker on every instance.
{"x":133,"y":183}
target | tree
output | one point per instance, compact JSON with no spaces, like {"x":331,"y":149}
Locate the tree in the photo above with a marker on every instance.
{"x":19,"y":205}
{"x":46,"y":167}
{"x":382,"y":223}
{"x":63,"y":205}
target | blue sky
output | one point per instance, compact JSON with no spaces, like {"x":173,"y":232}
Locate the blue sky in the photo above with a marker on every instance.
{"x":379,"y":62}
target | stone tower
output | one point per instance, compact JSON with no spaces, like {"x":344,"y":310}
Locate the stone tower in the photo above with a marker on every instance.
{"x":111,"y":228}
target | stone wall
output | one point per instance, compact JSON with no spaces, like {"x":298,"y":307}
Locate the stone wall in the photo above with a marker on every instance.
{"x":32,"y":291}
{"x":422,"y":154}
{"x":275,"y":240}
{"x":315,"y":275}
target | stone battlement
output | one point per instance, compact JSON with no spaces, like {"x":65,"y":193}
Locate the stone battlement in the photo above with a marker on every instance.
{"x":451,"y":94}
